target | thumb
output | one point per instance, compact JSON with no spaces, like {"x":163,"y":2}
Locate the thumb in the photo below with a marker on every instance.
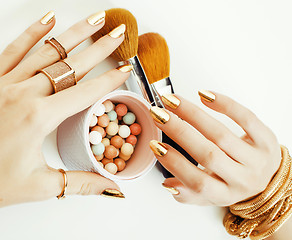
{"x":84,"y":183}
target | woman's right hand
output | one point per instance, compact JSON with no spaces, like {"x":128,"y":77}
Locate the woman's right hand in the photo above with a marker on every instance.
{"x":235,"y":168}
{"x":29,"y":111}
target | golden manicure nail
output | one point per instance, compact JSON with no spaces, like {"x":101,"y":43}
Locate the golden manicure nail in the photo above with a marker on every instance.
{"x":112,"y":193}
{"x":171,"y":101}
{"x":125,"y":68}
{"x":48,"y":18}
{"x":96,"y":18}
{"x":159,"y":115}
{"x":158,"y":148}
{"x":118,"y":31}
{"x":172,"y":190}
{"x":207,"y":95}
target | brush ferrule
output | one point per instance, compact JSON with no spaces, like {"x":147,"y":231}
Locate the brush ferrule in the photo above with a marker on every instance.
{"x":163,"y":86}
{"x":138,"y":82}
{"x":157,"y":97}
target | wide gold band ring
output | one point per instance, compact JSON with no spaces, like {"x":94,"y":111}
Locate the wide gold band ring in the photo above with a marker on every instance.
{"x":62,"y":194}
{"x":61,"y":75}
{"x":58,"y":46}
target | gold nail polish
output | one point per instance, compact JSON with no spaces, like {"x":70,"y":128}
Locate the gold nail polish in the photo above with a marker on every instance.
{"x":172,"y":190}
{"x":171,"y":100}
{"x":159,"y":115}
{"x":96,"y":18}
{"x":158,"y":148}
{"x":118,"y":31}
{"x":48,"y":18}
{"x":112,"y":193}
{"x":207,"y":95}
{"x":125,"y":68}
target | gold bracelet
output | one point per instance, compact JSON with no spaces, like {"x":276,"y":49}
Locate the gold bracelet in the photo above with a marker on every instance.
{"x":260,"y":217}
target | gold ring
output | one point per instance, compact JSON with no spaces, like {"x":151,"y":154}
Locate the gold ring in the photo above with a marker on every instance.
{"x":62,"y":194}
{"x":61,"y":75}
{"x":58,"y":46}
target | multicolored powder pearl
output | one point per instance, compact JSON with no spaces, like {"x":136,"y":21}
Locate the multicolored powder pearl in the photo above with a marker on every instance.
{"x":112,"y":115}
{"x":98,"y":149}
{"x":129,"y":118}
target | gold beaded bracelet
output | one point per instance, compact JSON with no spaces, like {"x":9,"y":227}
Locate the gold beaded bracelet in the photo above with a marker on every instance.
{"x":261,"y":216}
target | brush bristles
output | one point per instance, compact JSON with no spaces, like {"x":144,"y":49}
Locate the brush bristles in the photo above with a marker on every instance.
{"x":153,"y":54}
{"x":113,"y":18}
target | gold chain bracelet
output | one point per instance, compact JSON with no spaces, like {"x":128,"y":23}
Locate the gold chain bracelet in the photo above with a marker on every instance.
{"x":260,"y":217}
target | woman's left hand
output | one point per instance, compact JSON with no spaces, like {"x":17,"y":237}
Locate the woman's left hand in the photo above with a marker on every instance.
{"x":29,"y":110}
{"x":234,"y":168}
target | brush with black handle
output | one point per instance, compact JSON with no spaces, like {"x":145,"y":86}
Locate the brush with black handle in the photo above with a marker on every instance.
{"x":154,"y":56}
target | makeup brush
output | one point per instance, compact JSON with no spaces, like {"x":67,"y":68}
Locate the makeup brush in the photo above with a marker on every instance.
{"x":126,"y":53}
{"x":154,"y":56}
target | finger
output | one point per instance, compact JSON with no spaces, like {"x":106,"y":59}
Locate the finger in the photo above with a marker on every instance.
{"x":83,"y":95}
{"x":47,"y":55}
{"x":247,"y":139}
{"x":201,"y":149}
{"x":256,"y":130}
{"x":211,"y":128}
{"x":79,"y":182}
{"x":82,"y":63}
{"x":16,"y":50}
{"x":191,"y":176}
{"x":183,"y":194}
{"x":87,"y":59}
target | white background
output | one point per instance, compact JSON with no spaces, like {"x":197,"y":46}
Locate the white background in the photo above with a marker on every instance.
{"x":239,"y":48}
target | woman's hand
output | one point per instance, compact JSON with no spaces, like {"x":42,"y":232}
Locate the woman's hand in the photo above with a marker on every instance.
{"x":234,"y":168}
{"x":29,"y":111}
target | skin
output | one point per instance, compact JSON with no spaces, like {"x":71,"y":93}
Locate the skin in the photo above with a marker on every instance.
{"x":29,"y":111}
{"x":232,"y":165}
{"x":235,"y":168}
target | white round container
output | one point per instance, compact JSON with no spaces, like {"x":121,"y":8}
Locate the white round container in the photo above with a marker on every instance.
{"x":74,"y":147}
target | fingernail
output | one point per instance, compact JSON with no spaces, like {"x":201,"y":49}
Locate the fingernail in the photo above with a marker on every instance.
{"x":48,"y":18}
{"x":118,"y":31}
{"x":207,"y":95}
{"x":159,"y":115}
{"x":112,"y":193}
{"x":171,"y":100}
{"x":125,"y":68}
{"x":172,"y":190}
{"x":158,"y":148}
{"x":96,"y":18}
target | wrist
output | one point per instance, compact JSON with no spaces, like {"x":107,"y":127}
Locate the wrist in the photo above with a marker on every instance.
{"x":263,"y":215}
